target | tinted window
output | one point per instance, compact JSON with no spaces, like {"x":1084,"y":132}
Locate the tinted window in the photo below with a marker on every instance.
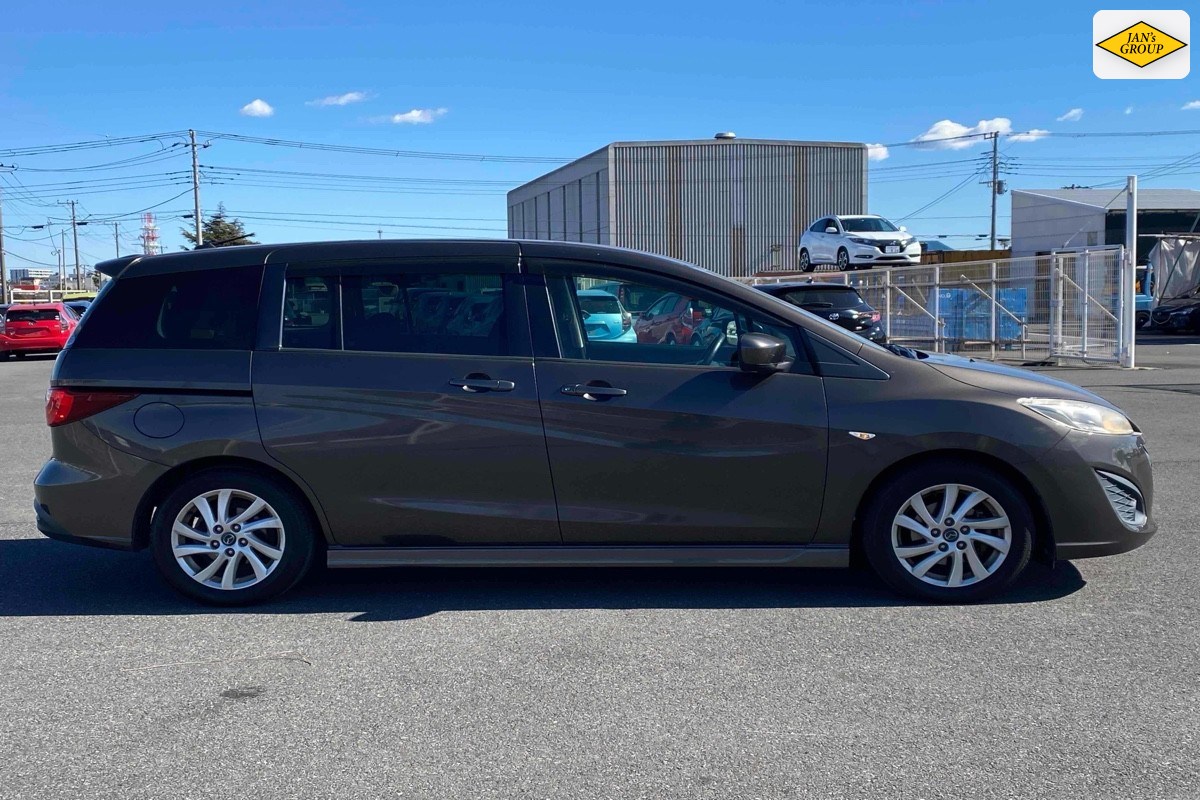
{"x":310,"y":313}
{"x":33,"y":315}
{"x":819,"y":226}
{"x":202,"y":310}
{"x":837,"y":298}
{"x":598,"y":303}
{"x":425,"y":313}
{"x":868,"y":225}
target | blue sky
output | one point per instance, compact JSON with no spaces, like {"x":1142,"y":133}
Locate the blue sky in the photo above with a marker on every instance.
{"x":547,"y":79}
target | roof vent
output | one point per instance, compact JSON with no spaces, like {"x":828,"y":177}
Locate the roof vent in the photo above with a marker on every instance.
{"x":726,"y":135}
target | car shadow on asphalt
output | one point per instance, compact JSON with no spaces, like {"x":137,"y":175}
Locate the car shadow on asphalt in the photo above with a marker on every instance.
{"x":47,"y":578}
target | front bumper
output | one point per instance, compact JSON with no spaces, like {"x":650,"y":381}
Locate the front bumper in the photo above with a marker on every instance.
{"x":870,"y":254}
{"x":1083,"y":519}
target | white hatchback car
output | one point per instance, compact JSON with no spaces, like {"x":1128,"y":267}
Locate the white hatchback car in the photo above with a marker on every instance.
{"x":856,"y":241}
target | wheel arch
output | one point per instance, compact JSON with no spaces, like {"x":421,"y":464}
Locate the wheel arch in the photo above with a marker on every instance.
{"x":169,"y":480}
{"x":1043,"y":534}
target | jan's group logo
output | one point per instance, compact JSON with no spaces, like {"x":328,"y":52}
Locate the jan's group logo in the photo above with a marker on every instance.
{"x":1141,"y":45}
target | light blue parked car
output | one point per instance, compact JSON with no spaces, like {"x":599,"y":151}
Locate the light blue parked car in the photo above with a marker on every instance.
{"x":604,"y":318}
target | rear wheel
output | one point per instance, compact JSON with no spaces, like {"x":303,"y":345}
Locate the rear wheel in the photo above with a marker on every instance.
{"x":1143,"y":319}
{"x":950,"y":532}
{"x":670,"y":339}
{"x":843,"y":260}
{"x":232,"y":537}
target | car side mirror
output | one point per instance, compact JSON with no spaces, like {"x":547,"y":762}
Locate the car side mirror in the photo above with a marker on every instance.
{"x":758,"y":352}
{"x":903,"y":228}
{"x":831,"y":229}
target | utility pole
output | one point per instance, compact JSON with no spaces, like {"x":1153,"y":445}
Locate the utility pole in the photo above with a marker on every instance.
{"x":117,"y":238}
{"x":62,"y":261}
{"x":3,"y":266}
{"x":995,"y":182}
{"x":380,"y":232}
{"x":75,"y":239}
{"x":196,"y":189}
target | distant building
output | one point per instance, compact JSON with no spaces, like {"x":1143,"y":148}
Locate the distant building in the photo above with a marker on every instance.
{"x":734,"y":206}
{"x":31,"y":275}
{"x":1044,"y":220}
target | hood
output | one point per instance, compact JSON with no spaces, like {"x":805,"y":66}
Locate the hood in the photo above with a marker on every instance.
{"x":877,"y":235}
{"x":1009,"y":380}
{"x":1179,"y":304}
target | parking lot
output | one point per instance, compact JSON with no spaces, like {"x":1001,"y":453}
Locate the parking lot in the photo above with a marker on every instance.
{"x":608,"y":683}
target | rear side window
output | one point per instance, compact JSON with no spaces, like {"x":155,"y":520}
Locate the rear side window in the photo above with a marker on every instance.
{"x":202,"y":310}
{"x":445,"y":313}
{"x":836,"y":298}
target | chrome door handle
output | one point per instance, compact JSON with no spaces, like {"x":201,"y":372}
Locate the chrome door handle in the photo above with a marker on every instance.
{"x":473,"y":384}
{"x":593,"y":391}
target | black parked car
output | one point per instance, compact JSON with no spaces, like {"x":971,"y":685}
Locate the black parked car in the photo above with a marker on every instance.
{"x":1179,"y":314}
{"x":247,"y":411}
{"x":841,"y":305}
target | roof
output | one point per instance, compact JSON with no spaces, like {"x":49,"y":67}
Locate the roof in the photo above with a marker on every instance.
{"x":1114,"y":199}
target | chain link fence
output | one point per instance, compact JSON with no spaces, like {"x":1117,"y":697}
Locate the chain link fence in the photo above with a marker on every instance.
{"x":1065,"y":306}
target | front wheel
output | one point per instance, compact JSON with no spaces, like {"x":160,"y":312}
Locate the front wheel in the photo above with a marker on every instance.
{"x":949,"y":532}
{"x":1143,"y":319}
{"x":805,"y":262}
{"x":232,"y":537}
{"x":843,"y":260}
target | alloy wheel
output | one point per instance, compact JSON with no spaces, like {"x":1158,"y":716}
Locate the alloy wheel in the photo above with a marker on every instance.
{"x":228,"y":539}
{"x":843,"y":260}
{"x":951,"y":535}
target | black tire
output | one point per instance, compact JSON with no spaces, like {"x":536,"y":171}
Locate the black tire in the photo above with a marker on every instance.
{"x":299,"y":550}
{"x":4,"y":355}
{"x":695,"y":341}
{"x":1143,"y":319}
{"x":891,"y":498}
{"x":19,"y":356}
{"x":805,"y":261}
{"x":670,"y":339}
{"x":843,"y":260}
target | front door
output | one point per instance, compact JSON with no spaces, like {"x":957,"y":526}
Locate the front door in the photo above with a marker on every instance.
{"x":652,"y":443}
{"x":404,"y":395}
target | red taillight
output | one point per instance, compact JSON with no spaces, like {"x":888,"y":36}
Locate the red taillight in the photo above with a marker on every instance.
{"x":626,"y":321}
{"x":697,"y":316}
{"x":68,"y":405}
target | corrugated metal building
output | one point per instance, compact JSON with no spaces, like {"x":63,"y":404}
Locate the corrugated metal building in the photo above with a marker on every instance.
{"x":734,"y":206}
{"x":1044,"y":220}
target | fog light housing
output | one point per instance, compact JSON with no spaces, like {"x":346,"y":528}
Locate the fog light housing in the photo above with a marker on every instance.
{"x":1125,"y":498}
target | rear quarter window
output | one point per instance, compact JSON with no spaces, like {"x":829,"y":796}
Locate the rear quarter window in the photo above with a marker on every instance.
{"x":202,"y":310}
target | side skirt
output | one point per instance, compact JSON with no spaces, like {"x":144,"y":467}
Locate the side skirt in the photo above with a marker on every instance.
{"x":592,"y":556}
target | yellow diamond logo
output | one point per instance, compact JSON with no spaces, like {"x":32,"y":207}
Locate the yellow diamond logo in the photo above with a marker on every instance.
{"x":1141,"y":44}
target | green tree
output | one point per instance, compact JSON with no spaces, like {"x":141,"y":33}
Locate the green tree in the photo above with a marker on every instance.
{"x":220,"y":230}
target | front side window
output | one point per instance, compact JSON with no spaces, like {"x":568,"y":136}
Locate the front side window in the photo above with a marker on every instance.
{"x":679,"y":329}
{"x":461,"y":314}
{"x":213,"y":309}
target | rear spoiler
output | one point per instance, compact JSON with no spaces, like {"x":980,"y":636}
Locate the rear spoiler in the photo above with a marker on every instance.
{"x":115,"y":266}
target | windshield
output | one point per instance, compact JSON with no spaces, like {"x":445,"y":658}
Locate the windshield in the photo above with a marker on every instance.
{"x":599,"y":304}
{"x":867,"y":225}
{"x":836,"y":298}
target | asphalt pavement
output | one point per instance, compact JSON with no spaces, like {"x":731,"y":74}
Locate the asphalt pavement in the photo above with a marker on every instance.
{"x":1081,"y":683}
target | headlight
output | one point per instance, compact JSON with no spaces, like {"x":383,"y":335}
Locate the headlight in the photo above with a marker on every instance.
{"x":1087,"y":417}
{"x":860,"y":240}
{"x":906,"y":242}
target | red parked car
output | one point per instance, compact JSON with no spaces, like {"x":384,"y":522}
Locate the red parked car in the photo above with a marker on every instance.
{"x":35,"y":328}
{"x":672,"y":319}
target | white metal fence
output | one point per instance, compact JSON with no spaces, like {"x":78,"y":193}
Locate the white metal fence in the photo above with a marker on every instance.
{"x":1066,"y":306}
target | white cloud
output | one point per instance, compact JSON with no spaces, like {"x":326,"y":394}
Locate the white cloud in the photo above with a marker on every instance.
{"x":257,"y":108}
{"x":339,"y":99}
{"x":1192,"y":106}
{"x":949,"y":135}
{"x":1074,"y":115}
{"x":1128,"y":110}
{"x":417,"y":116}
{"x":877,"y":152}
{"x":1031,"y":135}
